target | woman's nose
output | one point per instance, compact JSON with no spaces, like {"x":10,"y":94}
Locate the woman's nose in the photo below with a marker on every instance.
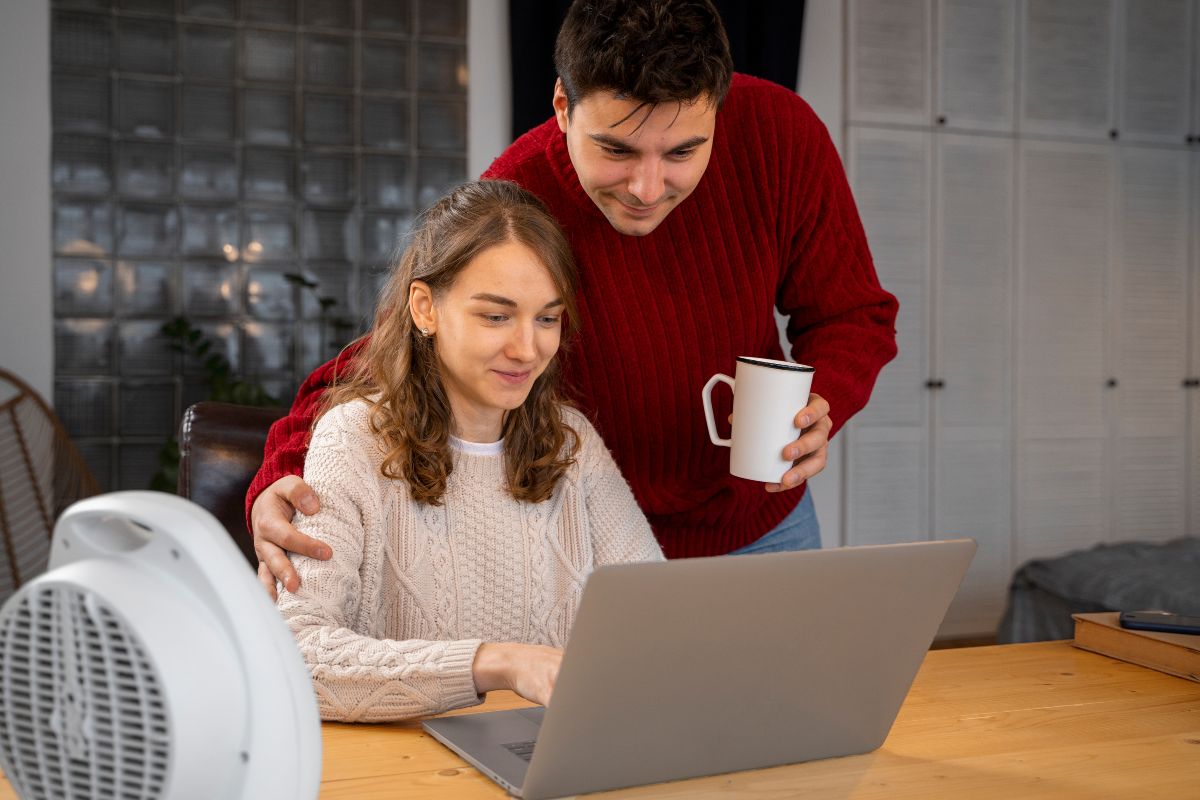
{"x":521,"y":344}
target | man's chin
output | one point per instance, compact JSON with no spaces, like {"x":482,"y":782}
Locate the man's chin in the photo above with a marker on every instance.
{"x":633,"y":226}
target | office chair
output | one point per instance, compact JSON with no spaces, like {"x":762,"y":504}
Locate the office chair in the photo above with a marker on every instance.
{"x":220,"y":450}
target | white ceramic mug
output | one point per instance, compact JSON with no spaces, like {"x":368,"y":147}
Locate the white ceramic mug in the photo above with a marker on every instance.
{"x":767,"y":396}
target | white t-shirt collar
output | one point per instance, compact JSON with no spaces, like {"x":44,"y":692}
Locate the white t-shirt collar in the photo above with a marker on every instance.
{"x":477,"y":448}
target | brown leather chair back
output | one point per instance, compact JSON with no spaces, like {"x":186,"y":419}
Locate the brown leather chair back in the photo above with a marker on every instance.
{"x":220,"y":450}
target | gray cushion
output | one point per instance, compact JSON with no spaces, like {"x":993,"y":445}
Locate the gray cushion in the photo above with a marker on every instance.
{"x":1133,"y":576}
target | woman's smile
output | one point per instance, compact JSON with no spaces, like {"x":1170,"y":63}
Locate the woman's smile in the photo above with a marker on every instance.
{"x":514,"y":378}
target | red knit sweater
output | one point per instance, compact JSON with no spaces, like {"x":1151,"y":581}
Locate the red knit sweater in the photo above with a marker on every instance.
{"x":771,"y":223}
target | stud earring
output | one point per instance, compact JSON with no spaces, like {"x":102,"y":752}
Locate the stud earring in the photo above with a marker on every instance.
{"x":425,"y":332}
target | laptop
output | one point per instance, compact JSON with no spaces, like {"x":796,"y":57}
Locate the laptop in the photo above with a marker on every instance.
{"x":702,"y":666}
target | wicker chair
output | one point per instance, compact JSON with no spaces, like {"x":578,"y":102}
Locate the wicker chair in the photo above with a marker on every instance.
{"x":41,"y":473}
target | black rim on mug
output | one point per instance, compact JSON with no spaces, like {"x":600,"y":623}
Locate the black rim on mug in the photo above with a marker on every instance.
{"x":770,"y":362}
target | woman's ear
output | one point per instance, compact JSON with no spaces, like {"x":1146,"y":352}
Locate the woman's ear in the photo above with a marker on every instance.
{"x":420,"y":305}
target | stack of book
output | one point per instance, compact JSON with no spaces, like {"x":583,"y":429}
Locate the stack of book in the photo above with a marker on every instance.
{"x":1173,"y":653}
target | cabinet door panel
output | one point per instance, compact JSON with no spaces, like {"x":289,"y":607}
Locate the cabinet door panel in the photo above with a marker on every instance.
{"x":1193,"y":479}
{"x":1149,"y":495}
{"x":973,"y":309}
{"x":973,"y":497}
{"x":1067,"y":67}
{"x":889,"y":61}
{"x":1151,"y":335}
{"x":972,"y":456}
{"x":1194,"y":461}
{"x":1063,"y":269}
{"x":1151,"y":344}
{"x":976,"y":74}
{"x":888,"y":485}
{"x":1155,"y":59}
{"x":888,"y":444}
{"x":890,"y":174}
{"x":1062,"y":497}
{"x":1194,"y":128}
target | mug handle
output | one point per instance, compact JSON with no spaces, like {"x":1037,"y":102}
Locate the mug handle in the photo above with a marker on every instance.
{"x":706,"y":398}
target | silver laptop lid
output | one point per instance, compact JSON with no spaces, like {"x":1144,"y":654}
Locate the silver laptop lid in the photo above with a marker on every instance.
{"x":702,"y":666}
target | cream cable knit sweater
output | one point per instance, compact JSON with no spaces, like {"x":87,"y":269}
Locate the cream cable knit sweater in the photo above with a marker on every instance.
{"x":389,"y":626}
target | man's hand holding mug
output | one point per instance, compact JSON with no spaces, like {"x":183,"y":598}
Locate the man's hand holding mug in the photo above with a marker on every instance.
{"x":780,"y":430}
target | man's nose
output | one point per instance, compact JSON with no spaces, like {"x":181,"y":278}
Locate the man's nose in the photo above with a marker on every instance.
{"x":646,"y":182}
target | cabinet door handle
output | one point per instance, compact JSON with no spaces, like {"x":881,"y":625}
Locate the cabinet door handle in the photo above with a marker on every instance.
{"x":1111,"y":383}
{"x":934,"y":383}
{"x":1191,"y":383}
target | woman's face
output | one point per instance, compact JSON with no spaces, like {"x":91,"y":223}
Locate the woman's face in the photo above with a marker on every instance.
{"x":495,"y":330}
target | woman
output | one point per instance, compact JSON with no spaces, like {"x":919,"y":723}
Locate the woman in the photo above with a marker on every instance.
{"x":465,"y":504}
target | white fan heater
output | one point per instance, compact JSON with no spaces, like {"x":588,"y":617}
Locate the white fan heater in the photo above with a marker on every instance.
{"x":149,"y":663}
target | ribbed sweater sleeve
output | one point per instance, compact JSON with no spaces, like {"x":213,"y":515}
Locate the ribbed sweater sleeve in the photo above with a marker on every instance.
{"x":840,"y":320}
{"x":619,"y":531}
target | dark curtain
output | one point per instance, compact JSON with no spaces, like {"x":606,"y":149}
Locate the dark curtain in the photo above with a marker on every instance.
{"x":764,"y":39}
{"x":533,"y":25}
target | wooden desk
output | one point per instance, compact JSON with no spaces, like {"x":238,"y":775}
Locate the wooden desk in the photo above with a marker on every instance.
{"x":1015,"y":721}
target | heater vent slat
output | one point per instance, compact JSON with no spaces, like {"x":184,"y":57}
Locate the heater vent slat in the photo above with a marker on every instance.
{"x":81,"y":709}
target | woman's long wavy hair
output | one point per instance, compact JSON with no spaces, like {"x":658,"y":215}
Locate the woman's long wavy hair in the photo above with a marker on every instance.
{"x":398,"y":371}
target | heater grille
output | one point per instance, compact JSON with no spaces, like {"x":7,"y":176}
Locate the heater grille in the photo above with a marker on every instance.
{"x":82,"y":713}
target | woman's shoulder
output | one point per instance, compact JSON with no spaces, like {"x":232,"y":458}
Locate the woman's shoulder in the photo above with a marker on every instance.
{"x":591,"y":449}
{"x":577,"y":421}
{"x":348,"y":422}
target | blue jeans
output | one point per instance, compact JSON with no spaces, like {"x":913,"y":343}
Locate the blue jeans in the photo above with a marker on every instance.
{"x":799,"y":530}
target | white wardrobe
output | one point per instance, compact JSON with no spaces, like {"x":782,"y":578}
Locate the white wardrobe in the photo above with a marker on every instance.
{"x":1028,"y":173}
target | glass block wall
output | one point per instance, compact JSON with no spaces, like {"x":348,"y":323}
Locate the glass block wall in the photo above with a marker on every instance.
{"x":204,"y":150}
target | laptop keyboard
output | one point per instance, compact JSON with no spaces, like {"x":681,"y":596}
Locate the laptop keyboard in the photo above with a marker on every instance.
{"x":522,"y":750}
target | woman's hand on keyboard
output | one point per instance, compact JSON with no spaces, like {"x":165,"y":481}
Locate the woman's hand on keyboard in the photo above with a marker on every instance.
{"x":530,"y":670}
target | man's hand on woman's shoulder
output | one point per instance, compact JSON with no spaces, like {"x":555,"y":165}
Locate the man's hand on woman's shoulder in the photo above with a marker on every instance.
{"x":275,"y":535}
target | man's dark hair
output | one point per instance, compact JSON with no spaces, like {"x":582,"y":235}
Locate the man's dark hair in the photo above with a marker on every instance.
{"x":649,"y":51}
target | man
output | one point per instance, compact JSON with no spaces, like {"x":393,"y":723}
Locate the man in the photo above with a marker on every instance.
{"x":695,"y":201}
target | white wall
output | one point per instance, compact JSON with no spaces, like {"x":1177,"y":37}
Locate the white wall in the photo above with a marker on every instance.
{"x":489,"y":92}
{"x":26,"y":328}
{"x":820,"y":84}
{"x":821,"y":63}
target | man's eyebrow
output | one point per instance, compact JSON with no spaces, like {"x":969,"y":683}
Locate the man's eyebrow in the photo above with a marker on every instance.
{"x":613,"y":142}
{"x":688,"y":144}
{"x":504,"y":301}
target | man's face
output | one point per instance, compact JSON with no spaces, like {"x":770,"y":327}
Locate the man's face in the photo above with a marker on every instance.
{"x":636,"y":164}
